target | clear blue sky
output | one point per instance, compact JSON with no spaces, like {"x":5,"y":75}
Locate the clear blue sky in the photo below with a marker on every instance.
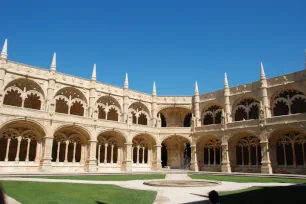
{"x":174,"y":42}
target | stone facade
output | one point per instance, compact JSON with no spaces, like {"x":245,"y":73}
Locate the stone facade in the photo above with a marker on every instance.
{"x":53,"y":122}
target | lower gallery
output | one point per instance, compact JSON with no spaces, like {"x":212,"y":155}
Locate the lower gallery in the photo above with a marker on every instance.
{"x":54,"y":122}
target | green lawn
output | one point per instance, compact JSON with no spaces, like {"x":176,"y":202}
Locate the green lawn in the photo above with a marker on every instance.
{"x":280,"y":195}
{"x":107,"y":177}
{"x":68,"y":193}
{"x":246,"y":179}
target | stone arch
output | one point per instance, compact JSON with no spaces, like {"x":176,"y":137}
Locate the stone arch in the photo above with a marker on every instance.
{"x":110,"y":147}
{"x":176,"y":116}
{"x":246,"y":108}
{"x":21,"y":141}
{"x":70,"y":144}
{"x":143,"y":148}
{"x":138,"y":110}
{"x":23,"y":92}
{"x":245,"y":152}
{"x":108,"y":108}
{"x":176,"y":151}
{"x":211,"y":114}
{"x":288,"y":149}
{"x":209,"y":151}
{"x":70,"y":100}
{"x":288,"y":100}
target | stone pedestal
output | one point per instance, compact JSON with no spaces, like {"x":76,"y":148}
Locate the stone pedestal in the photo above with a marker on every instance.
{"x":45,"y":163}
{"x":157,"y":165}
{"x":127,"y":163}
{"x":225,"y":164}
{"x":91,"y":161}
{"x":266,"y":167}
{"x":194,"y":160}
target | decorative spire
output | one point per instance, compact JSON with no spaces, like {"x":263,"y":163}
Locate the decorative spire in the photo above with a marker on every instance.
{"x":154,"y":89}
{"x":4,"y":50}
{"x":126,"y":82}
{"x":94,"y":74}
{"x":196,"y":89}
{"x":262,"y":71}
{"x":53,"y":64}
{"x":225,"y":81}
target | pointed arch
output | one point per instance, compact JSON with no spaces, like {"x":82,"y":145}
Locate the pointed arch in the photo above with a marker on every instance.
{"x":246,"y":108}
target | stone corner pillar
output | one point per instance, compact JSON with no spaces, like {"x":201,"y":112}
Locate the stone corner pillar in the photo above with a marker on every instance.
{"x":127,"y":162}
{"x":45,"y":163}
{"x":225,"y":164}
{"x":91,"y":161}
{"x":194,"y":160}
{"x":266,"y":167}
{"x":157,"y":164}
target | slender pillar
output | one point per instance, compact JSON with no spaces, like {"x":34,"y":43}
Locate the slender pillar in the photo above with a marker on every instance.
{"x":112,"y":154}
{"x":28,"y":150}
{"x":7,"y":149}
{"x":138,"y":148}
{"x":215,"y":155}
{"x":74,"y":152}
{"x":293,"y":153}
{"x":66,"y":152}
{"x":197,"y":105}
{"x":58,"y":151}
{"x":250,"y":160}
{"x":118,"y":155}
{"x":154,"y":106}
{"x":143,"y":155}
{"x":38,"y":151}
{"x":125,"y":99}
{"x":99,"y":153}
{"x":105,"y":153}
{"x":18,"y":149}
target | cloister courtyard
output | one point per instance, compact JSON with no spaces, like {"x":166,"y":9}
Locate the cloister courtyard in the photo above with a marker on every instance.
{"x":130,"y":188}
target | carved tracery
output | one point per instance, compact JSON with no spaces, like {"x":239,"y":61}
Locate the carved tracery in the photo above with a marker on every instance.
{"x":212,"y":115}
{"x":246,"y":109}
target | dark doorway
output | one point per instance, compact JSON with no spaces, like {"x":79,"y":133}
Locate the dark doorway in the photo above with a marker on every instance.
{"x":187,"y":156}
{"x":164,"y":155}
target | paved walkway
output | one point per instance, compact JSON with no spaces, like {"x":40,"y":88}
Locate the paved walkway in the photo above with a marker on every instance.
{"x":165,"y":195}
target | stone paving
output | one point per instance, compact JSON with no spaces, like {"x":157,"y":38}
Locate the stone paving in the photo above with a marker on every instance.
{"x":165,"y":195}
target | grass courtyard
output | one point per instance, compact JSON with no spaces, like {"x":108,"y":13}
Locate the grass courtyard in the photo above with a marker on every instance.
{"x":69,"y":193}
{"x":127,"y":177}
{"x":254,"y":195}
{"x":246,"y":179}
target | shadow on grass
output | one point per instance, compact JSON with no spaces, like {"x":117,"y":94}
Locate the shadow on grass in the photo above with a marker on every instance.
{"x":277,"y":194}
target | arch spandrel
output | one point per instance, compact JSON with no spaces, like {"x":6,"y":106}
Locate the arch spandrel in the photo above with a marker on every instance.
{"x":27,"y":83}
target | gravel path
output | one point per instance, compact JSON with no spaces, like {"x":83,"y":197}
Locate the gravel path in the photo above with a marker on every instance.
{"x":165,"y":195}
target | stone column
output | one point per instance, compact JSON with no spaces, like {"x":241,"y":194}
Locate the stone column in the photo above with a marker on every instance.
{"x":157,"y":163}
{"x":105,"y":153}
{"x":58,"y":151}
{"x":112,"y":154}
{"x":138,"y":154}
{"x":74,"y":152}
{"x":127,"y":163}
{"x":194,"y":159}
{"x":266,"y":167}
{"x":28,"y":150}
{"x":66,"y":152}
{"x":225,"y":164}
{"x":99,"y":153}
{"x":47,"y":155}
{"x":125,"y":99}
{"x":18,"y":149}
{"x":91,"y":162}
{"x":7,"y":149}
